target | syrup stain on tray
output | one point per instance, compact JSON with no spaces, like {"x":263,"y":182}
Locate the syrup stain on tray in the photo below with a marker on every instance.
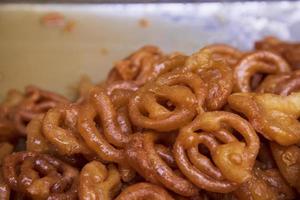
{"x":70,"y":26}
{"x":53,"y":19}
{"x":104,"y":51}
{"x":144,"y":23}
{"x":59,"y":21}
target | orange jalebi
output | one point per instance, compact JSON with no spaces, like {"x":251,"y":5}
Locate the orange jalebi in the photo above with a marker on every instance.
{"x":233,"y":159}
{"x":161,"y":126}
{"x":40,"y":176}
{"x":274,"y":116}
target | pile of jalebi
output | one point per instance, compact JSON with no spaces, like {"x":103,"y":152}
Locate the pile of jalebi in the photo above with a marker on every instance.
{"x":219,"y":124}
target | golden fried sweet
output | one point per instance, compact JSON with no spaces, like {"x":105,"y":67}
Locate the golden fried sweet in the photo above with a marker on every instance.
{"x":60,"y":129}
{"x":216,"y":74}
{"x":258,"y":62}
{"x":120,"y":93}
{"x":225,"y":53}
{"x":135,"y":155}
{"x":36,"y":141}
{"x":105,"y":134}
{"x":35,"y":102}
{"x":5,"y":149}
{"x":137,"y":67}
{"x":98,"y":182}
{"x":233,"y":159}
{"x":288,"y":50}
{"x":8,"y":130}
{"x":274,"y":116}
{"x":154,"y":168}
{"x":288,"y":162}
{"x":169,"y":102}
{"x":265,"y":185}
{"x":171,"y":63}
{"x":40,"y":176}
{"x":144,"y":191}
{"x":4,"y":189}
{"x":283,"y":84}
{"x":161,"y":126}
{"x":164,"y":173}
{"x":272,"y":82}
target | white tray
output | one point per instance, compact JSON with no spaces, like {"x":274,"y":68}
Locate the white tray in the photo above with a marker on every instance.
{"x":31,"y":53}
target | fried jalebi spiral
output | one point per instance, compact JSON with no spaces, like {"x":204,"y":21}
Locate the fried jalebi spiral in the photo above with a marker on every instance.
{"x":259,"y":62}
{"x":144,"y":191}
{"x":114,"y":116}
{"x":215,"y":73}
{"x":288,"y":162}
{"x":272,"y":83}
{"x":172,"y":62}
{"x":36,"y":141}
{"x":274,"y":116}
{"x":8,"y":129}
{"x":169,"y":102}
{"x":36,"y":101}
{"x":4,"y":189}
{"x":99,"y":127}
{"x":40,"y":176}
{"x":137,"y":67}
{"x":5,"y":149}
{"x":288,"y":50}
{"x":60,"y":137}
{"x":265,"y":185}
{"x":98,"y":182}
{"x":266,"y":181}
{"x":283,"y":84}
{"x":120,"y":93}
{"x":164,"y":173}
{"x":12,"y":99}
{"x":224,"y":52}
{"x":153,"y":167}
{"x":60,"y":129}
{"x":121,"y":86}
{"x":161,"y":126}
{"x":233,"y":159}
{"x":136,"y":156}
